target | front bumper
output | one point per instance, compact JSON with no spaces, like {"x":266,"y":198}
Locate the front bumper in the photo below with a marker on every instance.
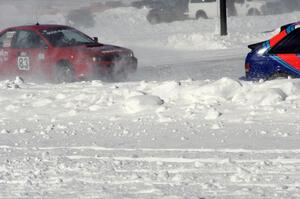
{"x":104,"y":68}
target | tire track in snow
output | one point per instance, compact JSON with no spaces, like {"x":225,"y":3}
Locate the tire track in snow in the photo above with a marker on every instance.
{"x":120,"y":172}
{"x":203,"y":150}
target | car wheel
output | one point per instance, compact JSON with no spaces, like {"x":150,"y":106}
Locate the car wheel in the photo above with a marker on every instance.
{"x":64,"y":72}
{"x":201,"y":14}
{"x":253,"y":12}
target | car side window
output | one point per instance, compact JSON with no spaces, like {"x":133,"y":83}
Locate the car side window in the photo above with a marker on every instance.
{"x":289,"y":45}
{"x":6,"y":39}
{"x":28,"y":39}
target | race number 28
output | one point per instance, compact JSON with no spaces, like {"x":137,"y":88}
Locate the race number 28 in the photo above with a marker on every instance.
{"x":23,"y":63}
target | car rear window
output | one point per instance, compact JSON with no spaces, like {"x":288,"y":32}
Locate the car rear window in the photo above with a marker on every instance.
{"x":289,"y":45}
{"x":27,"y":39}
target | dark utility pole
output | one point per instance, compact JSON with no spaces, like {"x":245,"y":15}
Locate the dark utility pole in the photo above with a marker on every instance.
{"x":223,"y":17}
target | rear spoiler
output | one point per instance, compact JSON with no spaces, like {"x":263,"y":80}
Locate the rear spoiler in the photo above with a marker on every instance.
{"x":260,"y":44}
{"x":255,"y":46}
{"x":284,"y":27}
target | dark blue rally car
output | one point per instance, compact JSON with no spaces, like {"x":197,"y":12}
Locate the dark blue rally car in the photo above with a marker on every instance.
{"x":277,"y":57}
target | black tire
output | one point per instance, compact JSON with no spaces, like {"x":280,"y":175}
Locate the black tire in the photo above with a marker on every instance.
{"x":201,"y":15}
{"x":253,"y":12}
{"x":64,"y":72}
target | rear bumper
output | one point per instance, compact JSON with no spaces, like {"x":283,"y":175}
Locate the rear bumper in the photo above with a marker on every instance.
{"x":257,"y":67}
{"x":258,"y":72}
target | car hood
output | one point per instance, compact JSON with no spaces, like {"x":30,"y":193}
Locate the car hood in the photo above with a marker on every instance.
{"x":106,"y":49}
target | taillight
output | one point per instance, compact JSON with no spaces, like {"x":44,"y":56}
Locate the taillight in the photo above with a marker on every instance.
{"x":247,"y":67}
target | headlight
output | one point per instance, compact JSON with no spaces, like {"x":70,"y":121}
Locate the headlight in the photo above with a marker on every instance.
{"x":94,"y":59}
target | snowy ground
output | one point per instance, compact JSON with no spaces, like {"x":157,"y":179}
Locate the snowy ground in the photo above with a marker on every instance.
{"x":183,"y":126}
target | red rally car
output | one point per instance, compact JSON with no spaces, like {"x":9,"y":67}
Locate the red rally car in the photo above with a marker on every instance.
{"x":61,"y":53}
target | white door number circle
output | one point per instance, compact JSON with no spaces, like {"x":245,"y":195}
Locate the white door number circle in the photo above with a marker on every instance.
{"x":23,"y":63}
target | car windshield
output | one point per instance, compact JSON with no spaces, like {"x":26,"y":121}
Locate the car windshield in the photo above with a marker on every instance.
{"x":64,"y":37}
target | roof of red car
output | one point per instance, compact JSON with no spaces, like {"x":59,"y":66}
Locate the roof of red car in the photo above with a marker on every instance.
{"x":37,"y":27}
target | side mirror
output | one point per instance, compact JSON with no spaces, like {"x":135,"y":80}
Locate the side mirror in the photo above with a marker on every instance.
{"x":96,"y":39}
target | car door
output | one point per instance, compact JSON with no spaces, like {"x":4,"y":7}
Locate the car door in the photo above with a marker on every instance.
{"x":6,"y":55}
{"x":29,"y":51}
{"x":287,"y":52}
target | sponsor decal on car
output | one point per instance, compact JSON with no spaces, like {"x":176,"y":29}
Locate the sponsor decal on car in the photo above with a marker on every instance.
{"x":3,"y":56}
{"x":41,"y":56}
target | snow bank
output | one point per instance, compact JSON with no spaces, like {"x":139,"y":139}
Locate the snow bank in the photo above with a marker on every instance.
{"x":147,"y":97}
{"x":226,"y":91}
{"x":212,"y":114}
{"x":267,"y":93}
{"x":267,"y":96}
{"x":169,"y":91}
{"x":220,"y":90}
{"x":9,"y":84}
{"x":129,"y":26}
{"x":142,"y":103}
